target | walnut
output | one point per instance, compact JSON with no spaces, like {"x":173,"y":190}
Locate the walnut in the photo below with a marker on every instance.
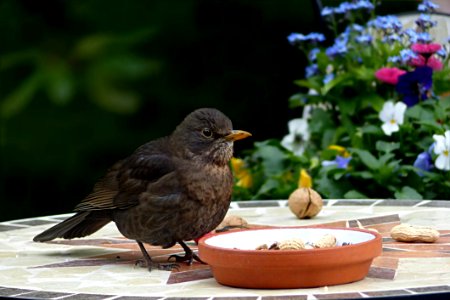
{"x":305,"y":203}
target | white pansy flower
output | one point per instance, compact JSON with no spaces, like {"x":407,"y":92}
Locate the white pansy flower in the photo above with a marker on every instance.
{"x":392,"y":116}
{"x":298,"y":136}
{"x":442,"y":149}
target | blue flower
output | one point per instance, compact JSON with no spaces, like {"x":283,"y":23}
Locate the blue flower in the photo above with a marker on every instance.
{"x":295,"y":38}
{"x":411,"y":34}
{"x":391,"y":38}
{"x":365,"y":4}
{"x":427,"y":6}
{"x":423,"y":162}
{"x":394,"y":59}
{"x":357,"y":28}
{"x":386,"y":23}
{"x":326,"y":11}
{"x":407,"y":55}
{"x":312,"y":55}
{"x":316,"y":37}
{"x":340,"y":162}
{"x":415,"y":85}
{"x":328,"y":78}
{"x":424,"y":37}
{"x":425,"y":22}
{"x":311,"y":70}
{"x":345,"y":7}
{"x":339,"y":48}
{"x":442,"y":53}
{"x":364,"y":39}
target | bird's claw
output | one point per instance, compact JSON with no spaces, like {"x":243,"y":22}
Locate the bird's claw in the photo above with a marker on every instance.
{"x":188,"y":258}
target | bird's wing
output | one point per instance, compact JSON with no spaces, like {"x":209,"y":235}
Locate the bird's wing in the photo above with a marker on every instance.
{"x":103,"y":193}
{"x":142,"y":172}
{"x":129,"y":178}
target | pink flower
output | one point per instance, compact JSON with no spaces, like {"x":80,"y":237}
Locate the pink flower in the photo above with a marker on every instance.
{"x":426,"y":49}
{"x":435,"y":64}
{"x":432,"y":62}
{"x":389,"y":75}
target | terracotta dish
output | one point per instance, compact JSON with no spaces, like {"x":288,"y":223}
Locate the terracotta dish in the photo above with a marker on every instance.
{"x":235,"y":262}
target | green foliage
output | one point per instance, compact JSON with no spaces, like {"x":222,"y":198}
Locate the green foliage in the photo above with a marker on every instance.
{"x":348,"y":153}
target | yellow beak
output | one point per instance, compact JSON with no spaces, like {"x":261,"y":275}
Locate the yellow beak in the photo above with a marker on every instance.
{"x":237,"y":135}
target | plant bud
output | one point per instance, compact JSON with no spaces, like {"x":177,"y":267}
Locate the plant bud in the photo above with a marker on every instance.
{"x":305,"y":203}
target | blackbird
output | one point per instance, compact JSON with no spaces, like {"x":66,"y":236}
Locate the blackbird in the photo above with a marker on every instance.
{"x":170,"y":190}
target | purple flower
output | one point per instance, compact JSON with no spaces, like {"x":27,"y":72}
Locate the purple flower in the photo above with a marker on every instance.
{"x":340,"y":162}
{"x":415,"y":85}
{"x":423,"y":162}
{"x":427,"y":6}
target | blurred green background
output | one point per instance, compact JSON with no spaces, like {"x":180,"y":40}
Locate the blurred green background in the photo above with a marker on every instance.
{"x":83,"y":83}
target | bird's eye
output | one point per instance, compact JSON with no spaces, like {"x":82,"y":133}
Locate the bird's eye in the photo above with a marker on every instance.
{"x":207,"y":132}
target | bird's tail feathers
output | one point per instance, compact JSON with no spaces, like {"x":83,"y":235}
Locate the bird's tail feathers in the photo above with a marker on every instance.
{"x":81,"y":224}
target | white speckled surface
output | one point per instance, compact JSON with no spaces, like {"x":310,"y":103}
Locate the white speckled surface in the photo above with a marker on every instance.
{"x":103,"y":264}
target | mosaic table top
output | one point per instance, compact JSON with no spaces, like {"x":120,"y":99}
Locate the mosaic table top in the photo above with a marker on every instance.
{"x":102,"y":266}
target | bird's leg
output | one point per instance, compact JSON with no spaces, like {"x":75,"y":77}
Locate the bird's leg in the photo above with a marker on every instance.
{"x":189,"y":255}
{"x":151,"y":264}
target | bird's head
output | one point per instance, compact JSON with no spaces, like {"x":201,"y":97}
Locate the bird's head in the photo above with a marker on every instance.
{"x":207,"y":135}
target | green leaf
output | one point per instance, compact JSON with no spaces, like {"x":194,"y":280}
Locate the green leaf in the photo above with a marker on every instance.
{"x":266,"y":187}
{"x":362,"y":174}
{"x":408,"y":193}
{"x":431,"y":124}
{"x":387,"y":147}
{"x":21,"y":96}
{"x":418,"y":112}
{"x":383,"y":160}
{"x":347,"y":106}
{"x":329,"y":188}
{"x":271,"y":157}
{"x":373,"y":100}
{"x":367,"y":158}
{"x":353,"y":194}
{"x":330,"y":85}
{"x":308,"y":84}
{"x":59,"y":83}
{"x":364,"y":73}
{"x":370,"y":129}
{"x":321,"y":120}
